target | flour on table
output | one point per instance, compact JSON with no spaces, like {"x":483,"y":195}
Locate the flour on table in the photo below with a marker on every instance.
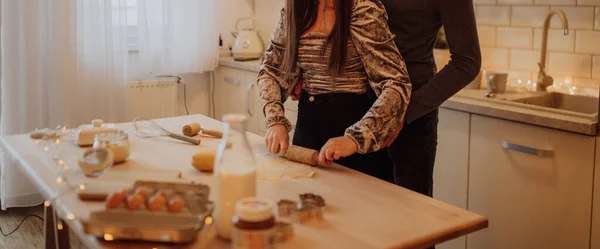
{"x":274,"y":167}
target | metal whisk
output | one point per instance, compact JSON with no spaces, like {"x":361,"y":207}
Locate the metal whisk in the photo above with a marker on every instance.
{"x":148,"y":128}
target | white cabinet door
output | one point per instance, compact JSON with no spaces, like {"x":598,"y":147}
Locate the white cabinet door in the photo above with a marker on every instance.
{"x":230,"y":91}
{"x":450,"y":176}
{"x":532,"y":201}
{"x":596,"y":211}
{"x":252,"y":103}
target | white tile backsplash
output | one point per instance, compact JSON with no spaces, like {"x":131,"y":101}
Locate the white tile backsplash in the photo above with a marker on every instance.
{"x":525,"y":60}
{"x":516,"y":43}
{"x":514,"y":37}
{"x":596,"y":67}
{"x":573,"y":65}
{"x":495,"y":58}
{"x":487,"y":35}
{"x":557,"y":42}
{"x":516,"y":2}
{"x":529,"y":16}
{"x":556,"y":2}
{"x":524,"y":76}
{"x":578,"y":17}
{"x":586,"y":83}
{"x":597,"y":15}
{"x":588,"y":2}
{"x":493,"y":15}
{"x":588,"y":42}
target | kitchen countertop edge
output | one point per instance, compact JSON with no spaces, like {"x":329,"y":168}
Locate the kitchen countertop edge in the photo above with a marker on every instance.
{"x":523,"y":115}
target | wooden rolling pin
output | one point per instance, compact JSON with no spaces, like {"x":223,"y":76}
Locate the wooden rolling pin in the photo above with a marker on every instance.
{"x":193,"y":129}
{"x":302,"y":155}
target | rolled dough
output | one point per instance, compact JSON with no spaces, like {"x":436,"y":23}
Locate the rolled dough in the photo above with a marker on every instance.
{"x":274,"y":167}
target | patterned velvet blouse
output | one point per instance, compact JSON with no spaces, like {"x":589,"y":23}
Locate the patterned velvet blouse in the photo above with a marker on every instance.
{"x":372,"y":61}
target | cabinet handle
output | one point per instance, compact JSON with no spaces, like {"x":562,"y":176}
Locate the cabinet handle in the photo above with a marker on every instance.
{"x":231,"y":80}
{"x":526,"y":149}
{"x":249,"y":98}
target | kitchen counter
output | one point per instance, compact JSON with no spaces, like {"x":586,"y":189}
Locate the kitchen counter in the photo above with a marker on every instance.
{"x":253,"y":65}
{"x":473,"y":101}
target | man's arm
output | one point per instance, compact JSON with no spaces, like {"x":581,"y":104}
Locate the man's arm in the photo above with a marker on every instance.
{"x":458,"y":18}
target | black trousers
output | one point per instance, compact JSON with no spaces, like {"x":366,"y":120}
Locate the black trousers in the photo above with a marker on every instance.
{"x":325,"y":116}
{"x":413,"y":154}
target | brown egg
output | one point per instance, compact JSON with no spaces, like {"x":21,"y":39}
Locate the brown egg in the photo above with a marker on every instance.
{"x":143,"y":191}
{"x":135,"y":201}
{"x":116,"y":199}
{"x":176,"y":204}
{"x":156,"y":202}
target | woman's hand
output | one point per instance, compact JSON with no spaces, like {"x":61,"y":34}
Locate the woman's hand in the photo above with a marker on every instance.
{"x":277,"y":139}
{"x":337,"y":148}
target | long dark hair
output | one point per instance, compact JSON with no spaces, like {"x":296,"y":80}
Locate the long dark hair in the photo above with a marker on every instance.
{"x":300,"y":16}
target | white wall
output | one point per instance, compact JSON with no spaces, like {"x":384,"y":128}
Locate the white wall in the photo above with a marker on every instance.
{"x":266,"y":20}
{"x":198,"y":85}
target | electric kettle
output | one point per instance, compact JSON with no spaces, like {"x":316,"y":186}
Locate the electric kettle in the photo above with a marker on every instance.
{"x":247,"y":44}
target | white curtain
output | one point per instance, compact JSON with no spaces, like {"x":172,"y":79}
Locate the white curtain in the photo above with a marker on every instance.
{"x":177,"y":36}
{"x":63,"y":63}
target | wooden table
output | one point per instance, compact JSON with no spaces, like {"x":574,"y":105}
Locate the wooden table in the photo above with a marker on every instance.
{"x":363,"y":212}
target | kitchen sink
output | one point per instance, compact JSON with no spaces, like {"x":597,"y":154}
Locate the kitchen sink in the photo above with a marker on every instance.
{"x":562,"y":101}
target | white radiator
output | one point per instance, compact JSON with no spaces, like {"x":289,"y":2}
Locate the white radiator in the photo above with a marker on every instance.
{"x":154,"y":98}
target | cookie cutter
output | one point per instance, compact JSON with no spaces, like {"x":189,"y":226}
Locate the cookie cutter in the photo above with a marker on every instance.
{"x":286,"y":208}
{"x":310,"y":199}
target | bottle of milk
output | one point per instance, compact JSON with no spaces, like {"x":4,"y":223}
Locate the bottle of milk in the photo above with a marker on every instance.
{"x":235,"y":172}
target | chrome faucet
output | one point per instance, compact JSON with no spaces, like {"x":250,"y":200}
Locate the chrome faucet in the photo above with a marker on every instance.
{"x":543,"y":79}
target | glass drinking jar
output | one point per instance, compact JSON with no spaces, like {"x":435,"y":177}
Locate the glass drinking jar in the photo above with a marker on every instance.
{"x":117,"y":141}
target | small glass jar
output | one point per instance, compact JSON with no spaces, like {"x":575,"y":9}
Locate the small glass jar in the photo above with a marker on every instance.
{"x":254,"y":224}
{"x":117,"y":142}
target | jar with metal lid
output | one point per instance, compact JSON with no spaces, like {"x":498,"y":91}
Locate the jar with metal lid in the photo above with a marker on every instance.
{"x":116,"y":141}
{"x":254,"y":224}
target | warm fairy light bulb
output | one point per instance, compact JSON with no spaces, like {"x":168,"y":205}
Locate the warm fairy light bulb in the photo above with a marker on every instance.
{"x":59,"y":180}
{"x":208,"y":220}
{"x":81,"y":187}
{"x":46,"y":203}
{"x":59,"y":226}
{"x":108,"y":237}
{"x":70,"y":216}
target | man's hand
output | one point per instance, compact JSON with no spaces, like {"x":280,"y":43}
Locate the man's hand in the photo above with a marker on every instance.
{"x":337,"y":148}
{"x":277,"y":139}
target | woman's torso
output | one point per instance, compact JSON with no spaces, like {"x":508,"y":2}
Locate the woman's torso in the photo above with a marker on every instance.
{"x":314,"y":62}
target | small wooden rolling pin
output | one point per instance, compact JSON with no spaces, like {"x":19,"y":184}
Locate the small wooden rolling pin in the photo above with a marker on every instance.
{"x":302,"y":155}
{"x":193,"y":129}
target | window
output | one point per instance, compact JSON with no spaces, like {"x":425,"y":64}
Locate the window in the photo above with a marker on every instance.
{"x":132,"y":22}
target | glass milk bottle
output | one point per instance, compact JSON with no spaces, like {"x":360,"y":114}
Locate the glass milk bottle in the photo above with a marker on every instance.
{"x":235,"y":172}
